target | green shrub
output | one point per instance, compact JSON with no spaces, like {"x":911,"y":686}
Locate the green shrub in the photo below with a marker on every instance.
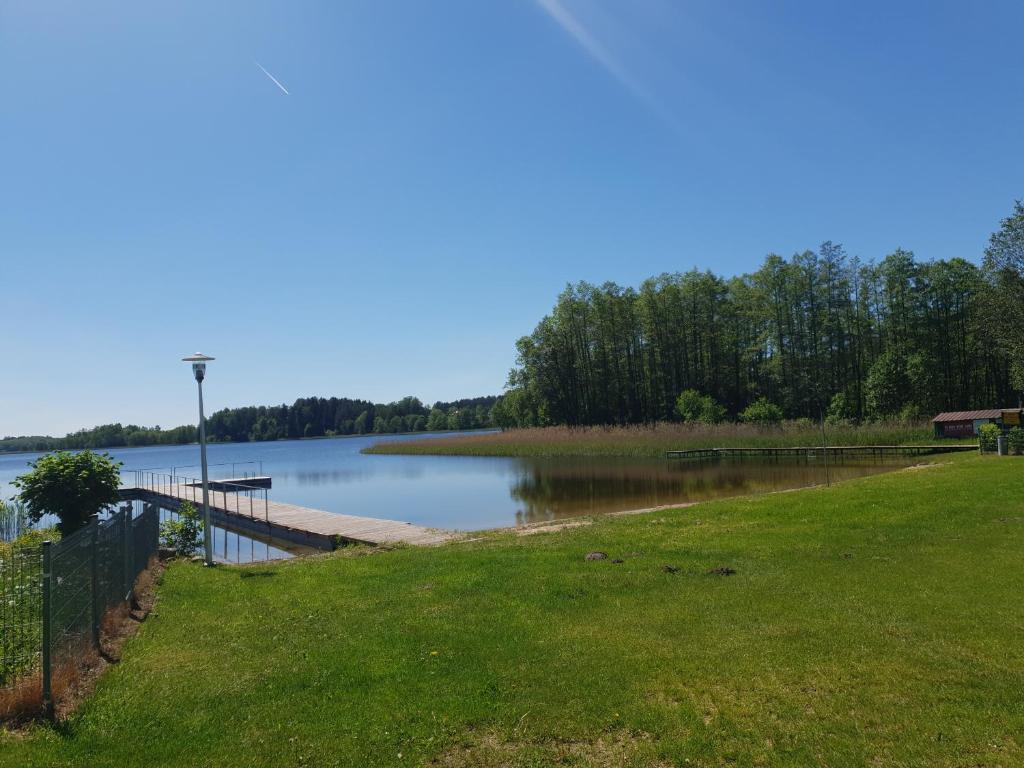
{"x":1016,"y":440}
{"x":72,"y":486}
{"x":185,"y":533}
{"x":36,"y":536}
{"x":987,"y":436}
{"x":840,"y":410}
{"x":762,"y":412}
{"x":910,"y":413}
{"x":688,"y":405}
{"x":692,"y":406}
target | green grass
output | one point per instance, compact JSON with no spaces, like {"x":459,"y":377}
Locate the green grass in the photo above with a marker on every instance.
{"x":653,"y":441}
{"x":878,"y":622}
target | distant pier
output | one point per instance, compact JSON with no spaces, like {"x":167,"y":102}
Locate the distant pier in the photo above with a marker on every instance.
{"x":810,"y":451}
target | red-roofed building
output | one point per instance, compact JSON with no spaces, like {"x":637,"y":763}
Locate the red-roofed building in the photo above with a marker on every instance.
{"x":967,"y":423}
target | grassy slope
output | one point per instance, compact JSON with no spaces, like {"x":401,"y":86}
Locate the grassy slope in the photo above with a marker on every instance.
{"x":878,"y":622}
{"x":653,"y":441}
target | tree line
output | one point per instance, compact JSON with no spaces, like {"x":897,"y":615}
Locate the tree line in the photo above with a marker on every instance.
{"x":306,"y":417}
{"x":328,"y":417}
{"x":819,"y":333}
{"x":103,"y":436}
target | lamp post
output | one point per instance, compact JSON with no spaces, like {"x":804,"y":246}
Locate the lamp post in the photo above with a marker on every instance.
{"x":199,"y":361}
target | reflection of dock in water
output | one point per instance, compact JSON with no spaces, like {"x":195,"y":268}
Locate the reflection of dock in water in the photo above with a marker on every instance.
{"x":838,"y":451}
{"x":242,"y":505}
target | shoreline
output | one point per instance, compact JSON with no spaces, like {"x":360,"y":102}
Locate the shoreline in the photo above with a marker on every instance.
{"x":382,"y":435}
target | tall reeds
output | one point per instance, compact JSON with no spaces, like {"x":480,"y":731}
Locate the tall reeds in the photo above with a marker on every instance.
{"x":655,"y":439}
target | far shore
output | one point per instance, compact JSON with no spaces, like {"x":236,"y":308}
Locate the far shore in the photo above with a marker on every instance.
{"x":382,"y":435}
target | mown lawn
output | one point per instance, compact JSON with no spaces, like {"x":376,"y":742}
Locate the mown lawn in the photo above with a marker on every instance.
{"x":879,"y":622}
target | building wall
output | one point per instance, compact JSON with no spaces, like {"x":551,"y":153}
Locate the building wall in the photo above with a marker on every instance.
{"x":958,"y":428}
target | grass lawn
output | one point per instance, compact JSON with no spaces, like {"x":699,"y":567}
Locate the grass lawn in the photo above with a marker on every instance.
{"x":879,"y":622}
{"x":652,"y":441}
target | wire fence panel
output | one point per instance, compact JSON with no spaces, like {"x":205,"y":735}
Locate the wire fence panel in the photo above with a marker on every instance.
{"x":146,"y":537}
{"x":70,"y":609}
{"x":112,"y":550}
{"x":54,"y":595}
{"x":21,"y":569}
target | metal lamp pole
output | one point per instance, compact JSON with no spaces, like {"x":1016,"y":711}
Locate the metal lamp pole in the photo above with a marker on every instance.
{"x":199,"y":361}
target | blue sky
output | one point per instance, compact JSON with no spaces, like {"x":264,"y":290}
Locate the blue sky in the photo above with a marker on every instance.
{"x":439,"y":170}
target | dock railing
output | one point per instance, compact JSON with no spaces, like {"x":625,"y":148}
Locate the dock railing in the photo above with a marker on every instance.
{"x":244,"y":497}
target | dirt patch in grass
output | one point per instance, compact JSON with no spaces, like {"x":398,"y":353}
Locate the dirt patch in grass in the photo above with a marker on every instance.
{"x":529,"y":530}
{"x":662,"y":508}
{"x":616,"y":748}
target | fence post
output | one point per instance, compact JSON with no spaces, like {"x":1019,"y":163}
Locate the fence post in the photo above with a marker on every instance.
{"x":95,"y":561}
{"x":47,"y":630}
{"x":126,"y":544}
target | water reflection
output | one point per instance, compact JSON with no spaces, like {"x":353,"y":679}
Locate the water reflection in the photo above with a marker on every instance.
{"x":469,"y":493}
{"x":234,"y":547}
{"x":552,"y":489}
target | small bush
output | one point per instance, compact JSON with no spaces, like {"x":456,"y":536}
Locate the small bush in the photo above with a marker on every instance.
{"x":910,"y":413}
{"x":1016,"y":440}
{"x":840,"y":410}
{"x":185,"y":533}
{"x":987,"y":436}
{"x":762,"y":412}
{"x":36,"y":536}
{"x":692,"y":406}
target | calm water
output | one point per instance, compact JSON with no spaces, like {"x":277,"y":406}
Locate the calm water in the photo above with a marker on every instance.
{"x":469,"y":493}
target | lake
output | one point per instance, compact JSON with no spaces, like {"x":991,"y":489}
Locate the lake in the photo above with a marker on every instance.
{"x":472,"y":493}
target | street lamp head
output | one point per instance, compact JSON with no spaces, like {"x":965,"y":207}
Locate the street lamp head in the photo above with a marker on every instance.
{"x":198,"y":361}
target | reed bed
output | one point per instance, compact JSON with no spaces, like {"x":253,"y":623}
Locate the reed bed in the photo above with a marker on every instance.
{"x":654,"y":440}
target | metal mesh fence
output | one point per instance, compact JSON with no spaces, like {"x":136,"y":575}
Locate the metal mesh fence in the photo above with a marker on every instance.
{"x":70,"y":590}
{"x":21,"y":569}
{"x":55,"y":594}
{"x":90,"y":572}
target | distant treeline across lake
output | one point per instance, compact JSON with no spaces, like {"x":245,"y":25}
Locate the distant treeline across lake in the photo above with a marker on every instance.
{"x":306,"y":417}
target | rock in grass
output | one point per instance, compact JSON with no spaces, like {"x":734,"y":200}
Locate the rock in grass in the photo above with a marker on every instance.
{"x":617,"y":561}
{"x":596,"y":556}
{"x":722,"y":571}
{"x":670,"y":569}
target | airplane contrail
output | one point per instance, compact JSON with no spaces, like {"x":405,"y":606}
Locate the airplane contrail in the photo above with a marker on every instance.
{"x":599,"y":52}
{"x":276,"y":81}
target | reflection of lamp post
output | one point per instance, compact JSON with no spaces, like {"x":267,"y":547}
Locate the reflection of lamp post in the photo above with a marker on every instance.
{"x":199,"y":361}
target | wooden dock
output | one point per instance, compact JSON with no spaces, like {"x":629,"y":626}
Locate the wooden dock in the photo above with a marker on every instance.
{"x":811,"y":451}
{"x":251,"y":511}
